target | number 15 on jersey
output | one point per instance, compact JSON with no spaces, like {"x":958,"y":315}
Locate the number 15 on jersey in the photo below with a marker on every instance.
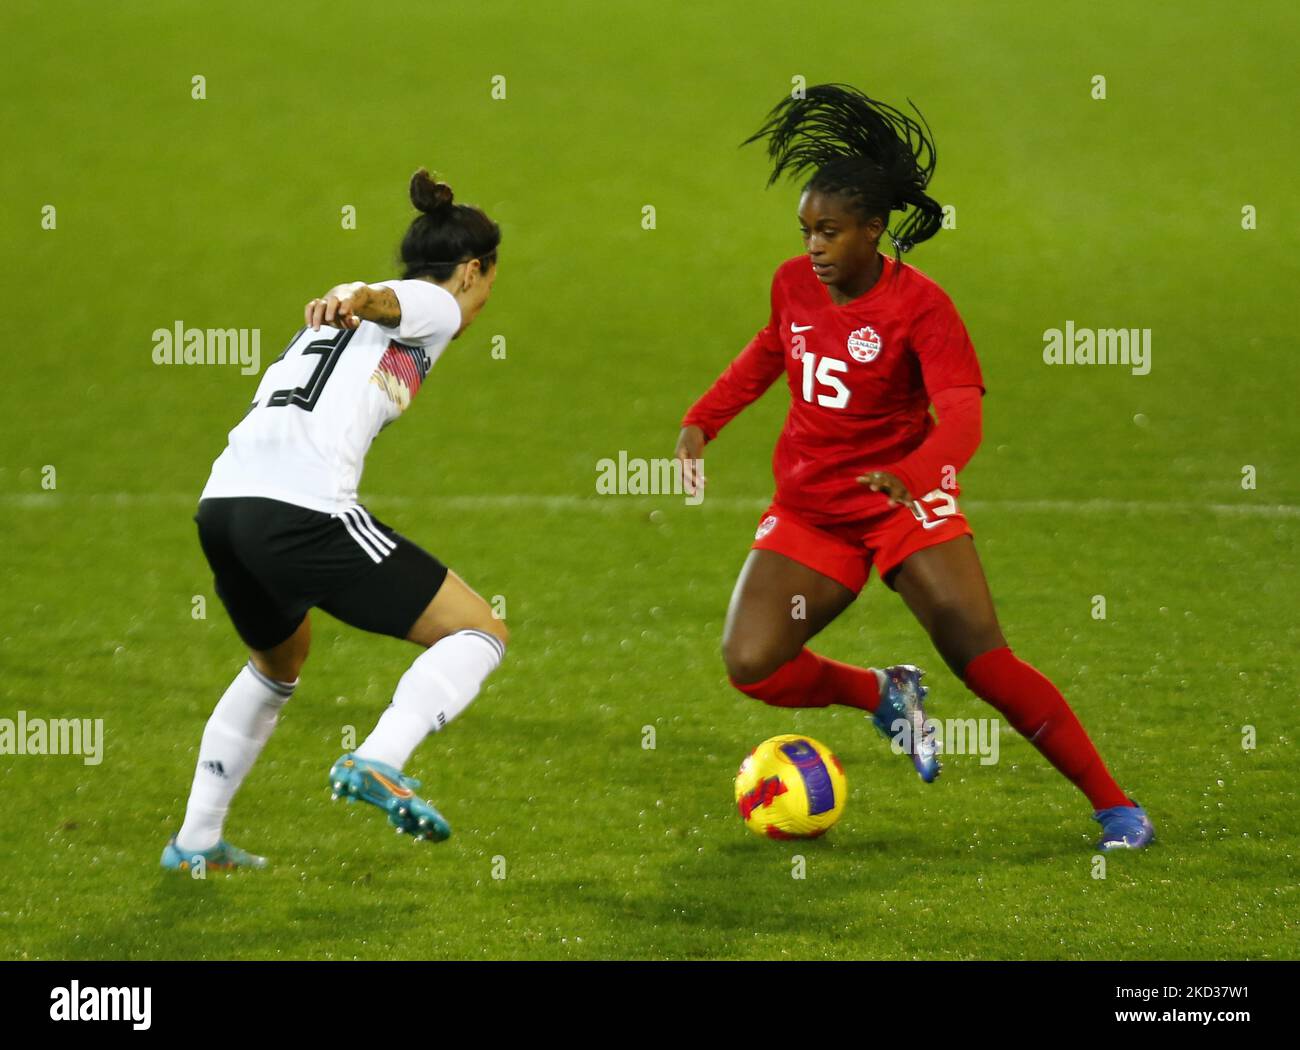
{"x":821,"y":384}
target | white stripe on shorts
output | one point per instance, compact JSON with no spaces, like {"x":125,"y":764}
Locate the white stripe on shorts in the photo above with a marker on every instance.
{"x":364,"y":544}
{"x":367,"y":525}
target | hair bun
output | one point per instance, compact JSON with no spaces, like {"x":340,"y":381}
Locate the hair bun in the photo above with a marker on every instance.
{"x":428,"y":194}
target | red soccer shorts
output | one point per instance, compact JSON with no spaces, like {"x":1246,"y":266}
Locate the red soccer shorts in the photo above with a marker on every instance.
{"x":846,"y":553}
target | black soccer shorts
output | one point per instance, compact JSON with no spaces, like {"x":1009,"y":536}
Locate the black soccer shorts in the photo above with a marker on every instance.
{"x":273,"y":561}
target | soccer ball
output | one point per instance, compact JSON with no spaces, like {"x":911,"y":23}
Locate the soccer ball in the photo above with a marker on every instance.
{"x":791,"y":787}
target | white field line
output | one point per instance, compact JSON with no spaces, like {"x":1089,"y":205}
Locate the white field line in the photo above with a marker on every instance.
{"x":617,"y":504}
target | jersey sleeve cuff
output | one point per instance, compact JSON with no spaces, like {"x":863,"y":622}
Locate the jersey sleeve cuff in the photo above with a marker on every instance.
{"x":709,"y":432}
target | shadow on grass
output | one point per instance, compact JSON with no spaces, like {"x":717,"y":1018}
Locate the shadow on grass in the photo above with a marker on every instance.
{"x":233,"y":915}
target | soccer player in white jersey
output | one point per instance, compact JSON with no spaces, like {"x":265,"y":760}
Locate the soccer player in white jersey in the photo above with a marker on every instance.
{"x":281,"y":527}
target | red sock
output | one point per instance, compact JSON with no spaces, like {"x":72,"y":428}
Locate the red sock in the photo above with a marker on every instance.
{"x":810,"y":680}
{"x":1037,"y":711}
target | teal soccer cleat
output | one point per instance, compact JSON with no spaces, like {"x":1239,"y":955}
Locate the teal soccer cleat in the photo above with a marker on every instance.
{"x":901,"y":718}
{"x":221,"y":857}
{"x":378,"y":783}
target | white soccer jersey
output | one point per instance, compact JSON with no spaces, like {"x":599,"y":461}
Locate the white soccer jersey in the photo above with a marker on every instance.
{"x":320,"y":404}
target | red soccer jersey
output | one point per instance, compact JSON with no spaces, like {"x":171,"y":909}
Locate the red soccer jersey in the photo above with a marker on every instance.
{"x":862,"y":376}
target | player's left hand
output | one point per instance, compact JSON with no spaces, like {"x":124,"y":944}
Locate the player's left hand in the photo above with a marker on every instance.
{"x":338,"y":307}
{"x":880,"y":481}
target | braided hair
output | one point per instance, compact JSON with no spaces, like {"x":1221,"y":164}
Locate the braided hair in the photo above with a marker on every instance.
{"x":876,"y":156}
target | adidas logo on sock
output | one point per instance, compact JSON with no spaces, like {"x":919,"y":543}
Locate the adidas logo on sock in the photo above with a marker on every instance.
{"x":214,"y":767}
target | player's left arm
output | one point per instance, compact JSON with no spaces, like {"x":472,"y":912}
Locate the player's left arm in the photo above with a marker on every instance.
{"x":955,"y":386}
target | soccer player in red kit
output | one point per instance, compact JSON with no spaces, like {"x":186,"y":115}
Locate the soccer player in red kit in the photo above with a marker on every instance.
{"x":864,"y":475}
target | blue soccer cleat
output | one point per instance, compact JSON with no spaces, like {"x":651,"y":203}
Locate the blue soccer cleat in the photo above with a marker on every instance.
{"x":1124,"y":827}
{"x":378,"y":783}
{"x":221,"y":857}
{"x":901,"y":718}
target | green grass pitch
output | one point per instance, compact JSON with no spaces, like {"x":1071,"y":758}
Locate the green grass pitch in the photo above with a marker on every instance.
{"x":225,"y":211}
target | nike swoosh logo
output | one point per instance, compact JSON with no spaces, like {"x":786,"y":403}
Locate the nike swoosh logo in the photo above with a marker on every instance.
{"x":799,"y":327}
{"x":396,"y":789}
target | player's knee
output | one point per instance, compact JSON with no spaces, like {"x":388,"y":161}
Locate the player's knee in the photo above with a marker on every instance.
{"x":497,"y":627}
{"x":976,"y":646}
{"x":960,"y":640}
{"x":749,"y":661}
{"x":488,"y":622}
{"x":284,"y":662}
{"x":284,"y":668}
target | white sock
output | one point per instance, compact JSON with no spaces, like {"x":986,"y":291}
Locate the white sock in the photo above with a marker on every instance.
{"x":438,"y":686}
{"x":882,"y":680}
{"x":239,"y":727}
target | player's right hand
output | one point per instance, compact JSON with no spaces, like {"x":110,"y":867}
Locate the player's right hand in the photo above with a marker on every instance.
{"x":690,"y":450}
{"x":337,"y":308}
{"x":888,"y":485}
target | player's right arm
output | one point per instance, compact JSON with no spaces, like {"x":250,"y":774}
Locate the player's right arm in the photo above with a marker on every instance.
{"x":743,"y":382}
{"x":347,"y":305}
{"x":419,"y":312}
